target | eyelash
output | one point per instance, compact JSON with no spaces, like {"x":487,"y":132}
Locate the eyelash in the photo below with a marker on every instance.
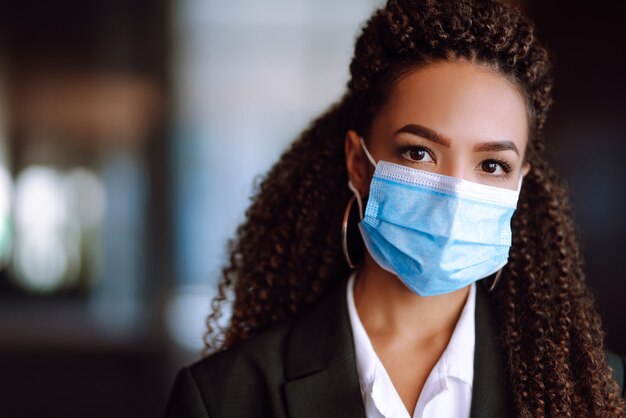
{"x":506,"y":167}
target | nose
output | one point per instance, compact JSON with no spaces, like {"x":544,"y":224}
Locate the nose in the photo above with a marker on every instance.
{"x":454,"y":168}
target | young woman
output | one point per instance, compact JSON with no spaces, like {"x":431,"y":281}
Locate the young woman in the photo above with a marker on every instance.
{"x":413,"y":253}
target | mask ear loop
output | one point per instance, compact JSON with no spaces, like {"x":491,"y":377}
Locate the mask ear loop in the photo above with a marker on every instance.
{"x":519,"y":183}
{"x":367,"y":153}
{"x":495,"y":281}
{"x":346,"y":215}
{"x":357,"y":195}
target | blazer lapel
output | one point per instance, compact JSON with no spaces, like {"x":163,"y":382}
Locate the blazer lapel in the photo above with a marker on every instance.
{"x":321,"y":373}
{"x":491,"y":391}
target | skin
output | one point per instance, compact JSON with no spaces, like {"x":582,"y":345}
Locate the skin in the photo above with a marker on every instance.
{"x":473,"y":116}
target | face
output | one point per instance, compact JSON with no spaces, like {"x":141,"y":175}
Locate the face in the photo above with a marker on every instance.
{"x":454,"y":118}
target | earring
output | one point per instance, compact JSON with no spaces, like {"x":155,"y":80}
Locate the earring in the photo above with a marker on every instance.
{"x":346,"y":217}
{"x":495,"y":281}
{"x":344,"y":233}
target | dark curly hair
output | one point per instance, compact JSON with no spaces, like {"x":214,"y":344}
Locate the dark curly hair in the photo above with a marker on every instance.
{"x":288,"y":250}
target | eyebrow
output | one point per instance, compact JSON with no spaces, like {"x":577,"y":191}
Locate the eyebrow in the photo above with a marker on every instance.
{"x":425,"y":133}
{"x":433,"y":136}
{"x":496,"y":146}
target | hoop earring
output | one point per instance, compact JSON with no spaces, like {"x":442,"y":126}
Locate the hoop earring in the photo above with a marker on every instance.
{"x":495,"y":281}
{"x":344,"y":233}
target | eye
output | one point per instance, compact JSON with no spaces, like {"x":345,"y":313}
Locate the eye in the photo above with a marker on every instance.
{"x":495,"y":167}
{"x":415,"y":153}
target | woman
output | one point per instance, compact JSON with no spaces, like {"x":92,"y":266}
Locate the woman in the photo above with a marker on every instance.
{"x":461,"y":293}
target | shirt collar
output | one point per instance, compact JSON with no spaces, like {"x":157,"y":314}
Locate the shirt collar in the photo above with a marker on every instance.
{"x":459,"y":353}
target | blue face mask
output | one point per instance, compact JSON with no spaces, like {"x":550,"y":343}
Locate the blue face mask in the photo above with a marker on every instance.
{"x":437,"y":233}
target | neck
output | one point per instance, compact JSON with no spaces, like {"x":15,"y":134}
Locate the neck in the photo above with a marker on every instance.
{"x":386,"y":307}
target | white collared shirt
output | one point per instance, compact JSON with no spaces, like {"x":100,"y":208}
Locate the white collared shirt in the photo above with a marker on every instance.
{"x":447,"y":392}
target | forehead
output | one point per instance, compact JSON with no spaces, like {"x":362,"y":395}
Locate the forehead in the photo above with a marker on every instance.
{"x":463,"y":101}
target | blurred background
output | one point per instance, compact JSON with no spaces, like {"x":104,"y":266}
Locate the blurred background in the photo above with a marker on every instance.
{"x":131,"y":133}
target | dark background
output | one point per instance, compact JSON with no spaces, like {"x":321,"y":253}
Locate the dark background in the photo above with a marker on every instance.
{"x":53,"y":364}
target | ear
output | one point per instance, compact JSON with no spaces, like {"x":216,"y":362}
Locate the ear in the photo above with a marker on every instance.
{"x":525,"y":169}
{"x":357,"y":163}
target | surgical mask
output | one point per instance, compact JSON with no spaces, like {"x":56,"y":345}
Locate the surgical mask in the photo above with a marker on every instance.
{"x":437,"y":233}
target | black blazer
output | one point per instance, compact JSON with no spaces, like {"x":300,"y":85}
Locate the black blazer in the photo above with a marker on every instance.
{"x":306,"y":368}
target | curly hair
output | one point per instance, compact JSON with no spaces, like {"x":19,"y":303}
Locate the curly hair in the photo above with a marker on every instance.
{"x":288,"y":250}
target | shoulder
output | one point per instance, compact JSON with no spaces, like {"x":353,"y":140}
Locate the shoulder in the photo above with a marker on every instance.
{"x":261,"y":354}
{"x":249,"y":378}
{"x":245,"y":377}
{"x":617,"y":364}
